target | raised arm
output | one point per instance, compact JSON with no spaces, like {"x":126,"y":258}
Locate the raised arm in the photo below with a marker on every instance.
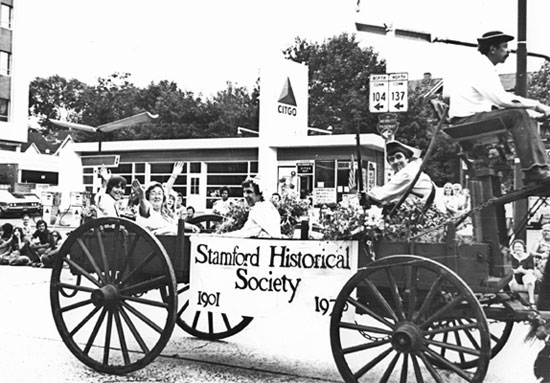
{"x":176,"y":171}
{"x":144,"y":205}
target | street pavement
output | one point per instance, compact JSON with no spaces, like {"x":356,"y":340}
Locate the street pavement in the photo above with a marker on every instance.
{"x":276,"y":349}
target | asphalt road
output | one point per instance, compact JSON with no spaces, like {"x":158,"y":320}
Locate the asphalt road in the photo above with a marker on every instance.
{"x":276,"y":349}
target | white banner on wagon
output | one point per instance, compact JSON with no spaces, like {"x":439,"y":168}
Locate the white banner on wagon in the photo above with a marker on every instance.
{"x":257,"y":277}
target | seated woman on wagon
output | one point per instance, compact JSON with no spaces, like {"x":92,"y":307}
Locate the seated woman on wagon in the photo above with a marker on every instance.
{"x":153,"y":212}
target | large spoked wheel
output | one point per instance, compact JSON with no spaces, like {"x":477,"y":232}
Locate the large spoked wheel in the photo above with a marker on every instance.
{"x":207,"y":325}
{"x":113,"y":295}
{"x":382,"y":325}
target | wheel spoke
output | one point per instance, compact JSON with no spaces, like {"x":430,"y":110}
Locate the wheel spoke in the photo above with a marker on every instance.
{"x":226,"y":321}
{"x":449,"y":365}
{"x":84,"y":321}
{"x":447,"y":329}
{"x":75,"y":287}
{"x":430,"y":368}
{"x":360,"y":327}
{"x":141,"y":316}
{"x":122,"y":339}
{"x":389,"y":369}
{"x":134,"y":331}
{"x":365,"y":346}
{"x":147,"y":259}
{"x":381,"y":299}
{"x":84,"y":272}
{"x":453,"y":347}
{"x":145,"y":301}
{"x":183,"y":308}
{"x":90,"y":259}
{"x":404,"y":369}
{"x":107,"y":347}
{"x":367,"y":367}
{"x":75,"y":305}
{"x":210,"y":322}
{"x":459,"y":344}
{"x":183,"y":289}
{"x":94,"y":331}
{"x":395,"y":294}
{"x":412,"y":291}
{"x":116,"y":241}
{"x":417,"y":371}
{"x":196,"y":319}
{"x":142,"y":287}
{"x":434,"y":289}
{"x":361,"y":306}
{"x":454,"y":302}
{"x":101,"y":246}
{"x":127,"y":257}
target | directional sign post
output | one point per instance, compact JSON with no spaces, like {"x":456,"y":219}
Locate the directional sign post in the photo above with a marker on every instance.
{"x":398,"y":92}
{"x":378,"y":99}
{"x":389,"y":92}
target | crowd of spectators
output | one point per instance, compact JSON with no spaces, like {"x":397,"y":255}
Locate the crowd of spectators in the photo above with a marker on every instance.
{"x":20,"y":246}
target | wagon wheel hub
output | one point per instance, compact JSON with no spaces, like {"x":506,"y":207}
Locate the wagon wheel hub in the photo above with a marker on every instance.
{"x":407,"y":338}
{"x":106,"y":296}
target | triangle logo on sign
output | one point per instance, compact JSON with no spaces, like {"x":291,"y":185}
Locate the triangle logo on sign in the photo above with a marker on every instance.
{"x":287,"y":95}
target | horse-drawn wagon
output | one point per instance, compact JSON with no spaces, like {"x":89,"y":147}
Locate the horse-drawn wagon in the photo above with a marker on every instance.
{"x":407,"y":311}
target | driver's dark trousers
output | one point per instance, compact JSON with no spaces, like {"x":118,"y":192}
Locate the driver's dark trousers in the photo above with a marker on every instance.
{"x":528,"y":144}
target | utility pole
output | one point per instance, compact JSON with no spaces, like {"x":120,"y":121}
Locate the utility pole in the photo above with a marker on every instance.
{"x":521,"y":206}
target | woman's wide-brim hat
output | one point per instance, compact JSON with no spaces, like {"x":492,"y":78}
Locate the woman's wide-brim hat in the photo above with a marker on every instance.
{"x":494,"y":37}
{"x":393,"y":147}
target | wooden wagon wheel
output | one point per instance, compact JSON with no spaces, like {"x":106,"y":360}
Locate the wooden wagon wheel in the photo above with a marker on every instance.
{"x":118,"y":321}
{"x":207,"y":324}
{"x":207,"y":222}
{"x":388,"y":325}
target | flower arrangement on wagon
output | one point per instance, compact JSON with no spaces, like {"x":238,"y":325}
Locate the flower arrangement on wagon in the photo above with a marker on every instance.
{"x":351,"y":221}
{"x":290,"y":209}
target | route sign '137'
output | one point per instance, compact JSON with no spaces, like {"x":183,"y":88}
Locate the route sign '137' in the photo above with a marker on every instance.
{"x":388,"y":93}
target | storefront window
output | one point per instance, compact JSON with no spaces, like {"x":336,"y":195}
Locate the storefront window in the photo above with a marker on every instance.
{"x":324,"y":174}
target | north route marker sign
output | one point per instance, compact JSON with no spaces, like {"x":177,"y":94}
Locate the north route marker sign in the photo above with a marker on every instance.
{"x":388,"y":92}
{"x":378,"y":98}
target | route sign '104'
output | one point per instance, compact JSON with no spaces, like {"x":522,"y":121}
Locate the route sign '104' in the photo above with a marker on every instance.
{"x":388,"y":92}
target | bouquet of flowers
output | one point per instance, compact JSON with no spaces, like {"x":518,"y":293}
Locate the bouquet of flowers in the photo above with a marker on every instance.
{"x":235,"y":218}
{"x":291,"y":210}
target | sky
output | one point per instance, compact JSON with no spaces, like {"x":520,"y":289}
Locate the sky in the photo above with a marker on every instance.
{"x":201,"y":45}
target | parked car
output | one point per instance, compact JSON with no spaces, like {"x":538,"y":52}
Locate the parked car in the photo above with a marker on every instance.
{"x":19,"y":204}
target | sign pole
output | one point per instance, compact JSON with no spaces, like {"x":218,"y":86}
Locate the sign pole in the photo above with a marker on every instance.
{"x":359,"y":165}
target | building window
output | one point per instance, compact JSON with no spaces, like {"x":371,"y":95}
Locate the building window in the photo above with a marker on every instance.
{"x":5,"y":16}
{"x":195,"y":183}
{"x":230,"y":174}
{"x":4,"y":109}
{"x":5,"y":63}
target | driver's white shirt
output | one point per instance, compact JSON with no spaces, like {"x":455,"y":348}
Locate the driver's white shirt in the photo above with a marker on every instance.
{"x":263,"y":221}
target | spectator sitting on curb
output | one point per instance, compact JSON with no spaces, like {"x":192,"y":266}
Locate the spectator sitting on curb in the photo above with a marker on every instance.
{"x":40,"y":242}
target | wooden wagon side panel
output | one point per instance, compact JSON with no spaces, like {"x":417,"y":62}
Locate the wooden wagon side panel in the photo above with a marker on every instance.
{"x":470,"y":262}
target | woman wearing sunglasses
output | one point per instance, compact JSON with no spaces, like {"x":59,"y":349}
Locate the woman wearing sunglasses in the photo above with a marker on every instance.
{"x":405,"y":162}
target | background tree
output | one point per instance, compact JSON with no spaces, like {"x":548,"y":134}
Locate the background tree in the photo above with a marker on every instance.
{"x":56,"y":97}
{"x":339,"y":72}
